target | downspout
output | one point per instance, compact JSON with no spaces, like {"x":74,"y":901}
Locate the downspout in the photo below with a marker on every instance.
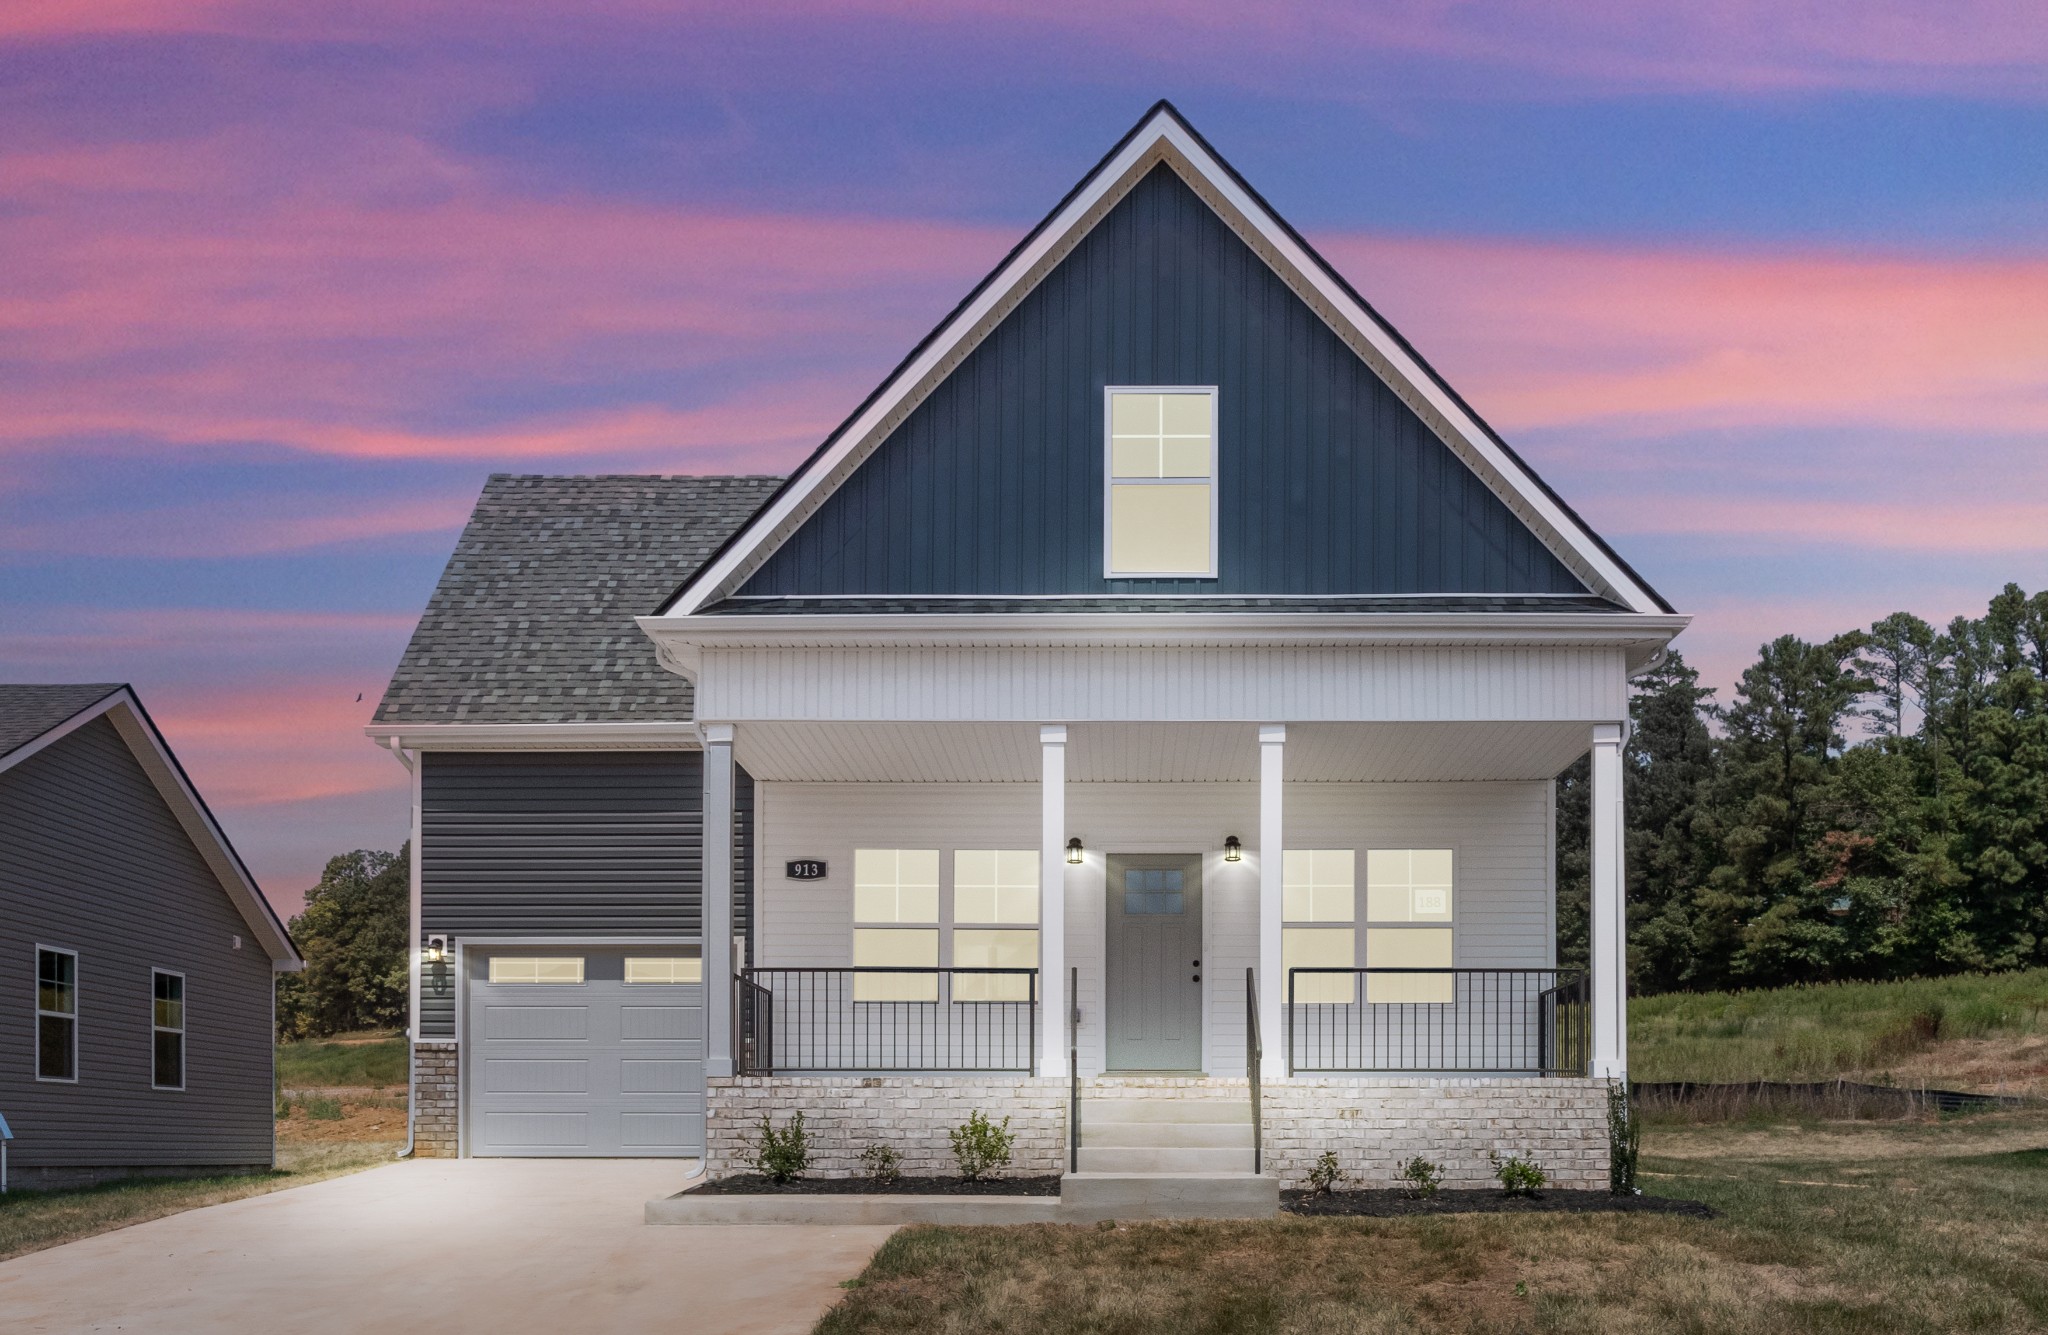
{"x":412,"y":1025}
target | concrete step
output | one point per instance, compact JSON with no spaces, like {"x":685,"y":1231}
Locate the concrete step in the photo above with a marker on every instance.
{"x":1164,"y":1108}
{"x":1158,"y":1159}
{"x":1090,"y":1196}
{"x":1168,"y":1135}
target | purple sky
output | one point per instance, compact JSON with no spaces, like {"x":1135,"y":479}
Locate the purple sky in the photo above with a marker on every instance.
{"x":1762,"y":288}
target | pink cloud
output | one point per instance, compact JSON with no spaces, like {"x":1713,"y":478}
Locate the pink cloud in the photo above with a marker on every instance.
{"x":255,"y":744}
{"x":1921,"y":525}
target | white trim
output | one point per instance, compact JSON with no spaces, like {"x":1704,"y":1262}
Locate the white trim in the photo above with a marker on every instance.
{"x":1162,"y":136}
{"x":1147,"y":596}
{"x":1110,"y":481}
{"x":155,"y":1029}
{"x":1272,"y":899}
{"x":571,"y":942}
{"x":680,"y":735}
{"x":35,"y":1001}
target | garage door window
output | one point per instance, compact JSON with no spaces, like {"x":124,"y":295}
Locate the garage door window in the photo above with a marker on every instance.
{"x":665,"y":969}
{"x":536,"y":969}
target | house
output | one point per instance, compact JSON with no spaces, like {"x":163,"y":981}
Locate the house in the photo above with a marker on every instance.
{"x":1138,"y":719}
{"x":138,"y":953}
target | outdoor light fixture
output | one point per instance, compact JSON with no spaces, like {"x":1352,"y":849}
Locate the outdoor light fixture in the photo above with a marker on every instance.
{"x":437,"y":946}
{"x":1074,"y":850}
{"x":1233,"y":851}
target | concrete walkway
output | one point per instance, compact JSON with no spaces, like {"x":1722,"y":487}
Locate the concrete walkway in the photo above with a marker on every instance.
{"x":486,"y":1245}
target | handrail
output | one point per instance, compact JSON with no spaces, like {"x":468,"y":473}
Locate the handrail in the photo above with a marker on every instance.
{"x":1074,"y":1070}
{"x":1254,"y":1051}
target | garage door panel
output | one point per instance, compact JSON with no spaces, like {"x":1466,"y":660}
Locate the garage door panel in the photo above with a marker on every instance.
{"x":512,"y":1132}
{"x":525,"y":1023}
{"x":525,"y":1075}
{"x":660,"y":1131}
{"x":660,"y":1077}
{"x":660,"y":1023}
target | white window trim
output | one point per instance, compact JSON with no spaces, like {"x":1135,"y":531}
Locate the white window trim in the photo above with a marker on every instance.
{"x":155,"y":1028}
{"x":36,"y":1000}
{"x":1109,"y":479}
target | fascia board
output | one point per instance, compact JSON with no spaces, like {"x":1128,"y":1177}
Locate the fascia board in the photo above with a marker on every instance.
{"x":664,"y":735}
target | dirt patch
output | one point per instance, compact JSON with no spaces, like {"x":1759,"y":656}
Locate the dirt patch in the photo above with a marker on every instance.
{"x":369,"y":1118}
{"x":1394,"y":1203}
{"x":756,"y":1184}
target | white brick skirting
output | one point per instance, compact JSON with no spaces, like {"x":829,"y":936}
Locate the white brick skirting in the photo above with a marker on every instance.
{"x":843,"y":1115}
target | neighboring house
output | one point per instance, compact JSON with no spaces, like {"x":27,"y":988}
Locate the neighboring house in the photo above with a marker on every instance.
{"x":136,"y":953}
{"x":1163,"y":663}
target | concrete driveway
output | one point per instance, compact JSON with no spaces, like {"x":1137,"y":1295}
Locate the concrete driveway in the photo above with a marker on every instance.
{"x":487,"y":1245}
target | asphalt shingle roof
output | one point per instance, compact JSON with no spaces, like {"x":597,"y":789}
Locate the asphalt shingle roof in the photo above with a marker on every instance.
{"x":27,"y":712}
{"x":532,"y":621}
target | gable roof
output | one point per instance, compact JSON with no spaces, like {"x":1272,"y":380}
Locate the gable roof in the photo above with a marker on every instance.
{"x":533,"y":618}
{"x":36,"y":717}
{"x":1163,"y":136}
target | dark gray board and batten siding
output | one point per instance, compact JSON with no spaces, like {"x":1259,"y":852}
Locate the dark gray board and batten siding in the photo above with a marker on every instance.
{"x":554,"y":846}
{"x":92,"y":860}
{"x":1329,"y":483}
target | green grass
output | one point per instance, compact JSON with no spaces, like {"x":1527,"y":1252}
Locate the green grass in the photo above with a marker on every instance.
{"x":1850,"y":1227}
{"x":33,"y":1220}
{"x":378,"y":1063}
{"x":1826,"y":1030}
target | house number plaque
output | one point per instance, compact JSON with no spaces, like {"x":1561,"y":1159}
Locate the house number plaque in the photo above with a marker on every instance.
{"x":805,"y":869}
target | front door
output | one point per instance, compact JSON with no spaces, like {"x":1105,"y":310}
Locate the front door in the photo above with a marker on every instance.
{"x":1155,"y":962}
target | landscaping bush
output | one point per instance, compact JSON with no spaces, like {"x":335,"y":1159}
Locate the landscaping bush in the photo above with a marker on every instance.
{"x":882,"y":1163}
{"x":785,"y":1154}
{"x":1518,"y":1176}
{"x":1326,"y":1176}
{"x":981,"y":1148}
{"x":1422,"y":1177}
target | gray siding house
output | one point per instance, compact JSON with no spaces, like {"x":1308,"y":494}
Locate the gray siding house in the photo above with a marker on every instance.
{"x":138,"y":954}
{"x":1139,"y":718}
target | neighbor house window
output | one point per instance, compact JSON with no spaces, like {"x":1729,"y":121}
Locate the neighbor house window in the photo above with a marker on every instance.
{"x":1320,"y":886}
{"x":56,"y":1014}
{"x":1160,"y":506}
{"x":665,"y":969}
{"x":995,"y":916}
{"x":896,"y":923}
{"x":536,"y":968}
{"x":167,"y":1025}
{"x":1408,"y":912}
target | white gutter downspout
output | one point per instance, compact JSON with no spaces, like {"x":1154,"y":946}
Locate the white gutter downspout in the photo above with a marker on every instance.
{"x":412,"y":1024}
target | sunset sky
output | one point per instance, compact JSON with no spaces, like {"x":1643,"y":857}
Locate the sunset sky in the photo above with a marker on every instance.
{"x":1761,"y":286}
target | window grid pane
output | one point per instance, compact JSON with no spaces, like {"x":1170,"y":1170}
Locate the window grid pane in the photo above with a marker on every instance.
{"x":528,"y":969}
{"x":665,"y":969}
{"x":1318,"y":885}
{"x":1320,"y":947}
{"x":1003,"y":948}
{"x":896,"y":885}
{"x":888,"y":947}
{"x":995,"y":886}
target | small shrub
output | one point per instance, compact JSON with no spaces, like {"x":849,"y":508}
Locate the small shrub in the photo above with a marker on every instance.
{"x":1518,"y":1176}
{"x":785,"y":1154}
{"x":1326,"y":1176}
{"x":322,"y":1109}
{"x":882,"y":1163}
{"x":982,"y":1148}
{"x":1624,"y":1142}
{"x":1422,"y":1177}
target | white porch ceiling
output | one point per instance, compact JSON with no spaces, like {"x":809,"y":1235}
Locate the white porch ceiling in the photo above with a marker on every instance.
{"x":1158,"y":752}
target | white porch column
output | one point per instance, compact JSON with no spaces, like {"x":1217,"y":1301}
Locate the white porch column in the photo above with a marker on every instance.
{"x":1272,"y":869}
{"x":1052,"y":900}
{"x":717,"y":916}
{"x":1608,"y":947}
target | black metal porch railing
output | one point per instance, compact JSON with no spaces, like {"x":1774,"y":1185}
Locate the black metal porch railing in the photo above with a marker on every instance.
{"x":1515,"y":1021}
{"x":886,"y":1019}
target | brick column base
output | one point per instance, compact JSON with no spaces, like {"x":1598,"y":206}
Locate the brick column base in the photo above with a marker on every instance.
{"x":436,"y":1100}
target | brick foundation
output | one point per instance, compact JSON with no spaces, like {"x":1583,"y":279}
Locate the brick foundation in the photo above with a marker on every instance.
{"x":910,"y":1114}
{"x":436,"y":1105}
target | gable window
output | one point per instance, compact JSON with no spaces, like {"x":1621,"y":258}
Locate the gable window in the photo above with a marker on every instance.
{"x":167,"y":1026}
{"x":995,"y":890}
{"x":56,"y":1014}
{"x":1319,"y":886}
{"x":896,"y":923}
{"x":1160,"y":484}
{"x":1408,"y":914}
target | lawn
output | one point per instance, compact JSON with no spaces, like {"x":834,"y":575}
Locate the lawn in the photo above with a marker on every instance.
{"x":347,"y":1061}
{"x":1826,"y":1227}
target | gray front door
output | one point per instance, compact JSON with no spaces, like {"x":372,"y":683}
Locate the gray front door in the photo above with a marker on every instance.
{"x":1155,"y":962}
{"x":571,"y":1054}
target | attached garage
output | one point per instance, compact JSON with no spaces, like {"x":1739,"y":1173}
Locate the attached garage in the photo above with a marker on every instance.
{"x":583,"y":1052}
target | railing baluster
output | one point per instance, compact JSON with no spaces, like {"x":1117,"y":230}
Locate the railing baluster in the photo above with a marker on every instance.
{"x":1513,"y":1021}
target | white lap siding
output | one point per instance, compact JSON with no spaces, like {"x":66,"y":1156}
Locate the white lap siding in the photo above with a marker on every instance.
{"x":1500,"y":831}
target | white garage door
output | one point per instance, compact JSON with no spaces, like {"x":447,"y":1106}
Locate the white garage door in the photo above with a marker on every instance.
{"x":581,"y":1052}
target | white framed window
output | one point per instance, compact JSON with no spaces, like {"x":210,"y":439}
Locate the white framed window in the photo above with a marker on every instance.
{"x":556,"y":969}
{"x":896,"y":923}
{"x":167,"y":1029}
{"x":56,"y":1013}
{"x":1159,"y":511}
{"x":995,"y":917}
{"x":1409,"y":917}
{"x":665,"y":968}
{"x":1320,"y":886}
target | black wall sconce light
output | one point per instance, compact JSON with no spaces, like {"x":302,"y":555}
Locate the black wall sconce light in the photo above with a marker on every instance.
{"x":1074,"y":850}
{"x":1233,"y":850}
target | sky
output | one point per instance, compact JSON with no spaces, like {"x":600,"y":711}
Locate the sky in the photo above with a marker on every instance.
{"x":1761,"y":286}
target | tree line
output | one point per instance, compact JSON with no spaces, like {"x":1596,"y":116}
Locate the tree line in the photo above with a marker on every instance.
{"x":1871,"y":806}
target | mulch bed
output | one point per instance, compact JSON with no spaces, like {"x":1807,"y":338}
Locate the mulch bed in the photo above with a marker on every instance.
{"x":1393,"y":1202}
{"x":758,"y":1184}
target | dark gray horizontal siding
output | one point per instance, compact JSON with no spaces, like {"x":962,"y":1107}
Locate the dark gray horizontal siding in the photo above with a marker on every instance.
{"x":1329,"y":483}
{"x":561,"y":843}
{"x":437,"y":998}
{"x":92,"y":860}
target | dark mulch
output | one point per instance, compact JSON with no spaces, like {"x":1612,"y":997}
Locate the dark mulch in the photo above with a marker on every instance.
{"x":1392,"y":1202}
{"x":757,"y":1184}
